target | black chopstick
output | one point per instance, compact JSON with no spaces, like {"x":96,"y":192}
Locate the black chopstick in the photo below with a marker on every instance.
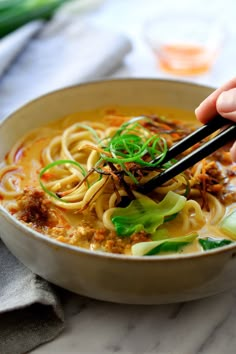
{"x":195,"y":156}
{"x":193,"y":138}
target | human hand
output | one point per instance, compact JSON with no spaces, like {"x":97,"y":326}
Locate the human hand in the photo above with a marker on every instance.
{"x":222,"y":101}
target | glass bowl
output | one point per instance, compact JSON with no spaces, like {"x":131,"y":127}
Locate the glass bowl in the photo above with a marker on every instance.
{"x":184,"y":44}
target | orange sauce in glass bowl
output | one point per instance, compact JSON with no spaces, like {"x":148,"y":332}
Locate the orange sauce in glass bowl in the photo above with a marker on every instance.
{"x":185,"y":59}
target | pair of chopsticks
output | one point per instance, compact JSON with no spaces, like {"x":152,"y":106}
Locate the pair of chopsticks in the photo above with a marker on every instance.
{"x":222,"y":138}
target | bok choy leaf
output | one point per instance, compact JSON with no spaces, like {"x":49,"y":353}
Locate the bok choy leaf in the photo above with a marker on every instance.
{"x":210,"y":243}
{"x":168,"y":245}
{"x":228,"y":225}
{"x":145,"y":214}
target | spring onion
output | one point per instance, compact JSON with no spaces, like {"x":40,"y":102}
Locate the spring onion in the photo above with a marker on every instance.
{"x":54,"y":164}
{"x":15,"y":13}
{"x":145,"y":214}
{"x":168,"y":245}
{"x":133,"y":143}
{"x":90,"y":129}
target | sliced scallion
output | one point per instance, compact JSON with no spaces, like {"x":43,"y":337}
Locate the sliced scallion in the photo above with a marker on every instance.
{"x":54,"y":164}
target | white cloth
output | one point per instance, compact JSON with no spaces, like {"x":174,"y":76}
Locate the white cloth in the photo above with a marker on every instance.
{"x":14,"y":43}
{"x":63,"y":53}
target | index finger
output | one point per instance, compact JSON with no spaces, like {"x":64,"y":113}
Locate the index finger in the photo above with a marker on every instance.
{"x":207,"y":109}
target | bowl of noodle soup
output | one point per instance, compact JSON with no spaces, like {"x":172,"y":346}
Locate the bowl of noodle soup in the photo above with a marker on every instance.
{"x":73,"y":163}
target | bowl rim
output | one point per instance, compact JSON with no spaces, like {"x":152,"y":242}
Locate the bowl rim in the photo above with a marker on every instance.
{"x":98,"y":82}
{"x":76,"y":249}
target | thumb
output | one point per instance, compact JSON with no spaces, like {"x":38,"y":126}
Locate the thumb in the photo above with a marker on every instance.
{"x":226,"y":104}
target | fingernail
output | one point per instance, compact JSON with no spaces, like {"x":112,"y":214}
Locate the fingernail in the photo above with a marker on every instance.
{"x":197,"y":110}
{"x":226,"y":101}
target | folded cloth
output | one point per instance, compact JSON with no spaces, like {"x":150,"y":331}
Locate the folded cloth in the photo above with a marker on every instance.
{"x":13,"y":44}
{"x":30,"y":311}
{"x":64,"y":53}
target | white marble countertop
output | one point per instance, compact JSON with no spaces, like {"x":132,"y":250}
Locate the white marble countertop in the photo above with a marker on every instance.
{"x":200,"y":327}
{"x":203,"y":326}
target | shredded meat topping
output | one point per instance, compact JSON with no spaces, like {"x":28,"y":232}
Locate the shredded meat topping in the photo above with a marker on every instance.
{"x":98,"y":238}
{"x":34,"y":207}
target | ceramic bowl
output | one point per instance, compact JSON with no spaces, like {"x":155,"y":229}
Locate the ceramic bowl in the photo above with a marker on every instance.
{"x":110,"y":277}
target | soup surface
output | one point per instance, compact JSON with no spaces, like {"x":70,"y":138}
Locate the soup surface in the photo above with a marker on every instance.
{"x":79,"y":180}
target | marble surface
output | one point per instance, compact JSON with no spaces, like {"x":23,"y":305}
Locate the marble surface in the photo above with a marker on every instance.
{"x":205,"y":326}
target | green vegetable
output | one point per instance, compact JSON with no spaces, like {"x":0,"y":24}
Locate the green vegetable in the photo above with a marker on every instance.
{"x":53,"y":164}
{"x":160,"y":234}
{"x":228,"y":225}
{"x":132,"y":143}
{"x":145,"y":214}
{"x":168,"y":245}
{"x":210,"y":243}
{"x":15,"y":13}
{"x":90,"y":129}
{"x":6,"y":5}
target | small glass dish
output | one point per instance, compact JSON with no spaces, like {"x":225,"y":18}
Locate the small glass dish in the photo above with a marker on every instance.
{"x":184,"y":44}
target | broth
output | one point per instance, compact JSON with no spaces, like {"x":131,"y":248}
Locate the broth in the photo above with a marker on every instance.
{"x":55,"y":209}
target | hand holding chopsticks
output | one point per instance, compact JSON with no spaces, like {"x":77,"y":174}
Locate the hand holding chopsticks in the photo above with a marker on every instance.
{"x":222,"y":138}
{"x":222,"y":101}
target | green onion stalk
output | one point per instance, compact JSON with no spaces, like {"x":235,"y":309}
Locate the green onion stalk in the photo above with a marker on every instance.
{"x":16,"y":13}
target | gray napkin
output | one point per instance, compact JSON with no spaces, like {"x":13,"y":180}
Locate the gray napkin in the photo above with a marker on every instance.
{"x":65,"y":52}
{"x":30,"y":311}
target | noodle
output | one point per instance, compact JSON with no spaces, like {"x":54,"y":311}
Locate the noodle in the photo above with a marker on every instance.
{"x":75,"y":167}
